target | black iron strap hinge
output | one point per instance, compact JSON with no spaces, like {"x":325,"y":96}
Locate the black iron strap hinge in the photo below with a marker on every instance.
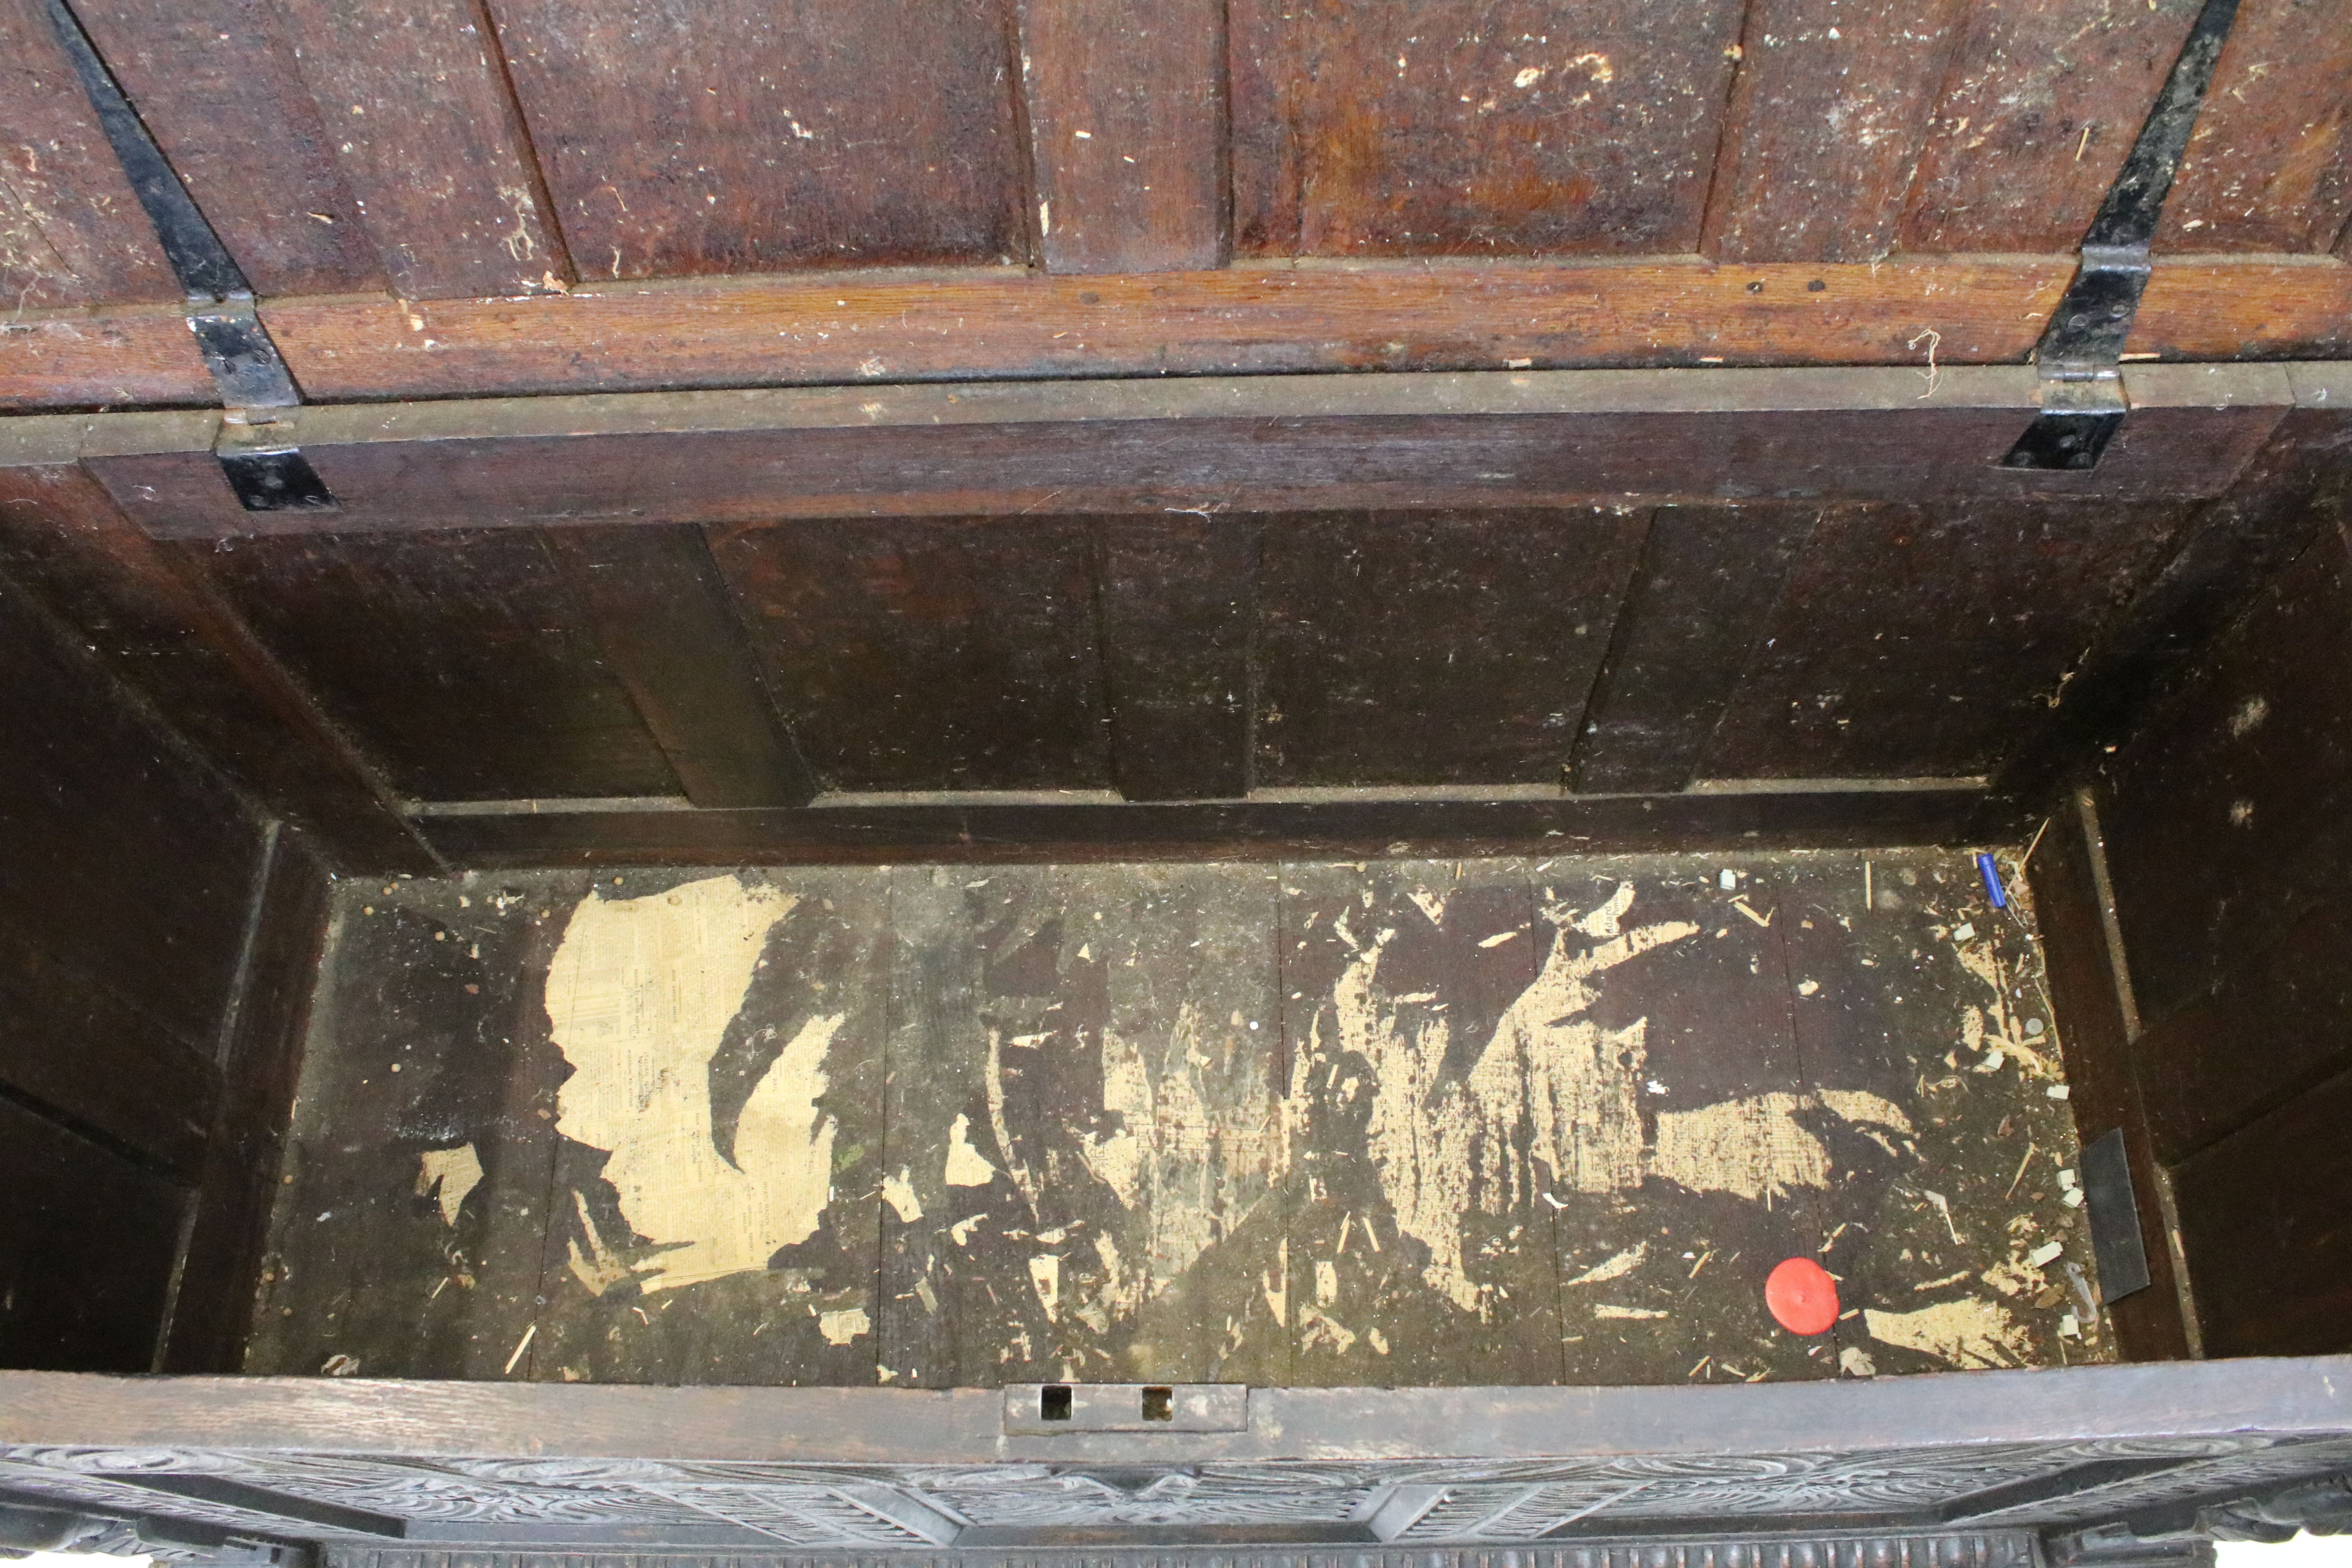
{"x":2080,"y":357}
{"x":260,"y":403}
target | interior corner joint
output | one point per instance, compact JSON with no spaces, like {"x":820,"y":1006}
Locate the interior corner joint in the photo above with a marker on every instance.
{"x":2080,"y":357}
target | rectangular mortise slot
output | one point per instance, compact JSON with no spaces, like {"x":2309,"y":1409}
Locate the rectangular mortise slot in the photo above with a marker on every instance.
{"x":1159,"y":1405}
{"x":1053,"y":1401}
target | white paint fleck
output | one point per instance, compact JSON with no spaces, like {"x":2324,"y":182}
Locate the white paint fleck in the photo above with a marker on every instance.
{"x":899,"y":1191}
{"x":840,"y":1327}
{"x":452,"y":1172}
{"x":1614,"y":1267}
{"x":966,"y":1166}
{"x":1971,"y":1332}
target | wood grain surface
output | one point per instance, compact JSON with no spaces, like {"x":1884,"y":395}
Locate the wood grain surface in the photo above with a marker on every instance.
{"x":969,"y":325}
{"x":391,"y":79}
{"x":1127,"y":127}
{"x":1404,"y":1123}
{"x":737,"y":137}
{"x":1445,"y":129}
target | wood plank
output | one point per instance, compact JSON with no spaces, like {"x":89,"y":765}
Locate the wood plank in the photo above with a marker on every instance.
{"x":725,"y":1229}
{"x":2221,"y":1402}
{"x":1708,"y":580}
{"x":2262,"y":1216}
{"x":2090,"y":982}
{"x":219,"y":86}
{"x":2040,"y":107}
{"x":2274,"y":1027}
{"x":668,"y":627}
{"x":87,"y":1246}
{"x":929,"y":656}
{"x":1168,"y":446}
{"x":965,"y":829}
{"x":963,"y":325}
{"x":160,"y":627}
{"x":1926,"y":641}
{"x":1935,"y":1001}
{"x":220,"y":1278}
{"x":1419,"y":1248}
{"x":2230,"y":814}
{"x":397,"y":79}
{"x":2269,"y":166}
{"x":1445,"y":649}
{"x":1126,"y":132}
{"x":1667,"y":1036}
{"x":1087,"y":1127}
{"x":1441,"y":128}
{"x":459,"y":659}
{"x":125,"y":357}
{"x":743,"y":137}
{"x":407,"y":1233}
{"x":1829,"y":110}
{"x":71,"y":232}
{"x":1178,"y":601}
{"x":76,"y":1050}
{"x":117,"y":845}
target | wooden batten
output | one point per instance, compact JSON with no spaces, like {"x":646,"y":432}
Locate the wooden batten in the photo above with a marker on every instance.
{"x":978,"y":325}
{"x":1199,"y":444}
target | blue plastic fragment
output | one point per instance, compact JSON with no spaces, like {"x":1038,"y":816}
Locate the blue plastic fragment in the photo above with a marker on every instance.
{"x":1991,"y":875}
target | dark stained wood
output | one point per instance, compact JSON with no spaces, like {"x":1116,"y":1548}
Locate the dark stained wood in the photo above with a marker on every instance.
{"x":365,"y":1258}
{"x":1924,"y":641}
{"x":2043,"y":103}
{"x":2264,"y":1215}
{"x":794,"y":1073}
{"x":1441,"y":128}
{"x":2103,"y":1066}
{"x":430,"y":142}
{"x":1183,"y":444}
{"x":1085,"y":1127}
{"x":132,"y":354}
{"x":959,"y":325}
{"x":668,"y":627}
{"x":1907,"y":984}
{"x":460,"y":660}
{"x":76,"y":1049}
{"x":929,"y":655}
{"x":2269,"y":166}
{"x":161,"y":629}
{"x":1419,"y":1248}
{"x":2233,"y":546}
{"x":1338,"y":822}
{"x":219,"y":86}
{"x":86,"y":1245}
{"x":1445,"y":649}
{"x":2275,"y":1026}
{"x":1829,"y":110}
{"x":1689,"y":1010}
{"x":1709,"y":577}
{"x":2233,"y":807}
{"x":71,"y":233}
{"x":740,"y":137}
{"x":1127,"y":130}
{"x":118,"y":848}
{"x":220,"y":1278}
{"x":1179,"y":605}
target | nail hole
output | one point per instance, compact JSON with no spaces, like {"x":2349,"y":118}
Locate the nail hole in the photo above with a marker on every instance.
{"x":1159,"y":1405}
{"x":1053,"y":1401}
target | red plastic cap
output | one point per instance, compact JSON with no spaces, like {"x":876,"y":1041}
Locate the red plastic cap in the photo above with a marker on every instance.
{"x":1802,"y":1297}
